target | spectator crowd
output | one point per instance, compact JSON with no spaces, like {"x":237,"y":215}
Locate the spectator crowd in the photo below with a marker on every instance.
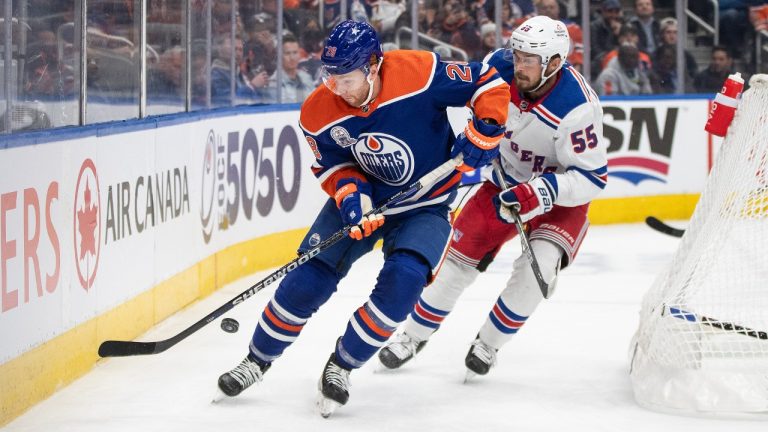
{"x":633,"y":49}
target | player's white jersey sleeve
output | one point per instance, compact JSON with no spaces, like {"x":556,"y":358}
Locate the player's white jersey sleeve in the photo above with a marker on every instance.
{"x":581,"y":151}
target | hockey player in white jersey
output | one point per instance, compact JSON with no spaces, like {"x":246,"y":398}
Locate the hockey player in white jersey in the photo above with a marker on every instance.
{"x":554,"y":162}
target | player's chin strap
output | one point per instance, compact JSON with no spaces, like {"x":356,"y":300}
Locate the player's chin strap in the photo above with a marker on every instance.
{"x":370,"y":79}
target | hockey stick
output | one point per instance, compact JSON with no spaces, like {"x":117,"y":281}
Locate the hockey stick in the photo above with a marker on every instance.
{"x":524,"y":242}
{"x":661,"y":227}
{"x":114,"y":348}
{"x":725,"y":326}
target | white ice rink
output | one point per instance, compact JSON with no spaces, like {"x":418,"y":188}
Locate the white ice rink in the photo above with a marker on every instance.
{"x":567,"y":370}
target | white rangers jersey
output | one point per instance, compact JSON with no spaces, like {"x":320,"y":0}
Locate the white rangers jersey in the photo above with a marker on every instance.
{"x":560,"y":132}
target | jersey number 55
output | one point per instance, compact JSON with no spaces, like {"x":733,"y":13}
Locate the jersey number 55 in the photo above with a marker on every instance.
{"x":584,"y":139}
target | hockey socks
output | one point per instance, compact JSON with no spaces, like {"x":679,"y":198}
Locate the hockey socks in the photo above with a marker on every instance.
{"x":297,"y":298}
{"x":439,"y":299}
{"x":399,"y":284}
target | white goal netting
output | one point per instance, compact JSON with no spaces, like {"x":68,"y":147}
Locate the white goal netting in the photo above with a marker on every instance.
{"x":702,"y":343}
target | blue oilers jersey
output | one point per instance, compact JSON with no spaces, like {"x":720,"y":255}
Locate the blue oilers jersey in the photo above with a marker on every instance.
{"x":560,"y":132}
{"x":404,"y":132}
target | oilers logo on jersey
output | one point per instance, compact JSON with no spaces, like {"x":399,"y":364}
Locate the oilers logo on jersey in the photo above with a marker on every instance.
{"x":384,"y":157}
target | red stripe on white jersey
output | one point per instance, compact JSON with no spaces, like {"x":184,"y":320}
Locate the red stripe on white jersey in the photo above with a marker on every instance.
{"x":547,"y":114}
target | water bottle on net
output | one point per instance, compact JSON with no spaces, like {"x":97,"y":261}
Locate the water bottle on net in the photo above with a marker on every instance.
{"x":724,"y":106}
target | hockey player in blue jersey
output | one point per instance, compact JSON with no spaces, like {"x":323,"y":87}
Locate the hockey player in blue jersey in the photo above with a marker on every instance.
{"x":378,"y":124}
{"x":554,"y":163}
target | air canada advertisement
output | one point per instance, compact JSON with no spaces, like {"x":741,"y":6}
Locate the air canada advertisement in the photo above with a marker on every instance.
{"x":91,"y":222}
{"x":88,"y":224}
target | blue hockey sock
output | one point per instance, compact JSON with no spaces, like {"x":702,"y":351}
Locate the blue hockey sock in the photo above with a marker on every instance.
{"x":399,"y":285}
{"x":299,"y":295}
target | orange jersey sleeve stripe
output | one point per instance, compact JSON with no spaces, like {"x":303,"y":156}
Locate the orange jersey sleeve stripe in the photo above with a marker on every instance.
{"x":329,"y":185}
{"x":487,"y":75}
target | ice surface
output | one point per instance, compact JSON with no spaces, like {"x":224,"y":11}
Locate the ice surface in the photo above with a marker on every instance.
{"x":567,"y":369}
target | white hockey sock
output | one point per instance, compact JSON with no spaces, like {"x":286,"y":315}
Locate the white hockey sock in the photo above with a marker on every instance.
{"x":439,"y":298}
{"x":521,"y":295}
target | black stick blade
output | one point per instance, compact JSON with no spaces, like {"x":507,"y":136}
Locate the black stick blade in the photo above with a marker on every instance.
{"x":112,"y":348}
{"x":661,"y":227}
{"x":746,"y":331}
{"x":721,"y":325}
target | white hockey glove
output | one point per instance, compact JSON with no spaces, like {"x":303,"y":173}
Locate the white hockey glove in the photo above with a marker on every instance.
{"x":531,"y":199}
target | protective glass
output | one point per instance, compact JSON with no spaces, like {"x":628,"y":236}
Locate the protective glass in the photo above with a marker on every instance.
{"x":344,"y":83}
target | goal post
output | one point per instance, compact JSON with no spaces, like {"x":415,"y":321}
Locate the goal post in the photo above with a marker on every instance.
{"x":702,"y":343}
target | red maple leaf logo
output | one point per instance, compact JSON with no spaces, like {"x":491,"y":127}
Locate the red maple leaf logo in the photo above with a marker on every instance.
{"x":87,"y":218}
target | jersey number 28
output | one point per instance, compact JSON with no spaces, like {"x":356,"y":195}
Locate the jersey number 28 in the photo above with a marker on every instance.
{"x":584,"y":139}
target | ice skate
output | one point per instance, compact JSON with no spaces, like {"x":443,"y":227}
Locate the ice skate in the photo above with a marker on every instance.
{"x":326,"y":406}
{"x":333,"y":386}
{"x":480,"y":359}
{"x":401,"y":349}
{"x":232,"y":383}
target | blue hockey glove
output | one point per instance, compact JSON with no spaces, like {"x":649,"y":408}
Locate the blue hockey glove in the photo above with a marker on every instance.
{"x":353,"y":198}
{"x":531,"y":199}
{"x":479,"y":143}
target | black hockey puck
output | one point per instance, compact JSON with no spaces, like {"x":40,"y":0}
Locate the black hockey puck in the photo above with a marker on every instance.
{"x":230,"y":325}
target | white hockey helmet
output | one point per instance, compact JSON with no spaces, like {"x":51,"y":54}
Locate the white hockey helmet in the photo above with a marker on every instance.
{"x":543,"y":36}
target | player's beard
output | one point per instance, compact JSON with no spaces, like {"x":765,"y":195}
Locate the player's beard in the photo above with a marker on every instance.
{"x":524,"y":83}
{"x":357,"y":98}
{"x":352,"y":99}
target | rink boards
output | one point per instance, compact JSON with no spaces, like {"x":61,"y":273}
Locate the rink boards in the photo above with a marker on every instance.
{"x":107,"y":230}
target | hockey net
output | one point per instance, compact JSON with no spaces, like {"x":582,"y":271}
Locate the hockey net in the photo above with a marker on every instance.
{"x":702,"y":343}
